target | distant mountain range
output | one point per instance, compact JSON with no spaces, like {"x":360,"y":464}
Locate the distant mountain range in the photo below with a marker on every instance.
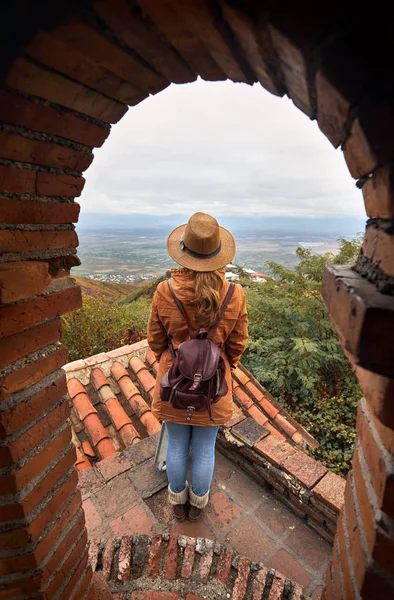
{"x":165,"y":223}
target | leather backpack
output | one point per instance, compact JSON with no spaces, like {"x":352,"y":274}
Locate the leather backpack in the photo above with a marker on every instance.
{"x":197,"y":377}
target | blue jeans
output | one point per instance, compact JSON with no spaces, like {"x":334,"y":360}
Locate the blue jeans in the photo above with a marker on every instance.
{"x":202,"y":442}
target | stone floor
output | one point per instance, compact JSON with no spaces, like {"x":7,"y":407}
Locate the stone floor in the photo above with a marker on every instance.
{"x":123,"y":498}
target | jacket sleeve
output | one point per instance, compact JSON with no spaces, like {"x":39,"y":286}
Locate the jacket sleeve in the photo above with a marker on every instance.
{"x":238,"y":338}
{"x":157,"y":335}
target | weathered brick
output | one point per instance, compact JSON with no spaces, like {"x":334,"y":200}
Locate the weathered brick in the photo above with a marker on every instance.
{"x":223,"y":567}
{"x":14,"y":146}
{"x":42,"y":366}
{"x":18,"y":448}
{"x":79,"y":592}
{"x":205,"y":565}
{"x":188,"y":558}
{"x":380,"y":463}
{"x":366,"y":509}
{"x":304,"y":468}
{"x":124,"y":568}
{"x":24,"y":343}
{"x":113,"y":465}
{"x":378,"y":192}
{"x":107,"y":557}
{"x":134,"y":521}
{"x":340,"y":81}
{"x":31,"y":79}
{"x":17,"y":317}
{"x":71,"y":513}
{"x":177,"y":33}
{"x":18,"y":110}
{"x":60,"y":574}
{"x":240,"y":584}
{"x":171,"y":558}
{"x":20,"y":414}
{"x":378,"y":246}
{"x":81,"y":566}
{"x":343,"y":541}
{"x":80,"y":36}
{"x":17,"y":240}
{"x":23,"y":181}
{"x":10,"y":512}
{"x":355,"y":534}
{"x":154,"y":560}
{"x":274,"y":450}
{"x":255,"y":50}
{"x":258,"y":583}
{"x":133,"y":29}
{"x":9,"y":484}
{"x":50,"y":510}
{"x":359,"y":313}
{"x":378,"y":392}
{"x":331,"y":490}
{"x":369,"y":144}
{"x":64,"y":58}
{"x":20,"y":280}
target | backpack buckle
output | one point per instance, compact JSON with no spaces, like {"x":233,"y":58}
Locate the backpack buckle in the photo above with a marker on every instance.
{"x":189,"y":413}
{"x":197,"y":379}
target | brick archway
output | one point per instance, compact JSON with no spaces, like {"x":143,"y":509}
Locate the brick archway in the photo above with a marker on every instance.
{"x":68,"y":71}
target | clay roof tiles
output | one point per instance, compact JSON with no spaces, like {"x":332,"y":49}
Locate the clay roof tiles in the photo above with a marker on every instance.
{"x":110,"y":399}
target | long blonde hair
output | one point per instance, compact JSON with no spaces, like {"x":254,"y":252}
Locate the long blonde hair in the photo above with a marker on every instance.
{"x":207,"y":296}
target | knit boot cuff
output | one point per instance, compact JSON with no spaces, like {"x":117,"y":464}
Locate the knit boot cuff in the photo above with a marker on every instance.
{"x":198,"y":501}
{"x":178,"y":497}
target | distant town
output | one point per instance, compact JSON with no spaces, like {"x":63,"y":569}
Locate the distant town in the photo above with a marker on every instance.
{"x":134,"y":256}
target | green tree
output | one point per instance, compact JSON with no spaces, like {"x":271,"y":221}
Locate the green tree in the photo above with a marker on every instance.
{"x":100,"y":327}
{"x":294,"y":352}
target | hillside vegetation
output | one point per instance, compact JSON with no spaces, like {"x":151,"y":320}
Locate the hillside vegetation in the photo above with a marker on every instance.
{"x":293,"y":349}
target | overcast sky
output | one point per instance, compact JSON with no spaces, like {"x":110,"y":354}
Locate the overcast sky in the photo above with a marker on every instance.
{"x":223,"y":148}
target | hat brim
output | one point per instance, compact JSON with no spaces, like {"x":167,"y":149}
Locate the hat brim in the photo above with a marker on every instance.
{"x":226,"y":254}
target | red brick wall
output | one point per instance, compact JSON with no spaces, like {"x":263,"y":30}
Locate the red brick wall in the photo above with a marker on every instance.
{"x":68,"y":73}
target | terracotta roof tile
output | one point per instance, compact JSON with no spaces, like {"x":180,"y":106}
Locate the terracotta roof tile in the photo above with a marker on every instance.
{"x":88,"y":450}
{"x":265,"y":404}
{"x":257,"y":415}
{"x":98,"y":434}
{"x":151,"y":358}
{"x":146,"y":378}
{"x":114,"y":413}
{"x":105,"y":448}
{"x":128,"y":435}
{"x":297,"y":437}
{"x":150,"y":422}
{"x":98,"y":378}
{"x":74,"y":387}
{"x":121,"y":421}
{"x":136,"y":364}
{"x":285,"y":425}
{"x":82,"y":462}
{"x":273,"y":430}
{"x":242,"y":396}
{"x":83,"y":405}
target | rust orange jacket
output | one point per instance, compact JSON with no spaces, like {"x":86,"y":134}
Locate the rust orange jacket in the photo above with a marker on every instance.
{"x":167,"y":322}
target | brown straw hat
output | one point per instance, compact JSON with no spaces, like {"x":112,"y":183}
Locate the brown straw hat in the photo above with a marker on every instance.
{"x":201,"y":244}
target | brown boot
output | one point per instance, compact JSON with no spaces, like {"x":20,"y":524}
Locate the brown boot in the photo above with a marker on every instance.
{"x":194,"y":514}
{"x":178,"y":500}
{"x":197,"y":505}
{"x":180,"y":512}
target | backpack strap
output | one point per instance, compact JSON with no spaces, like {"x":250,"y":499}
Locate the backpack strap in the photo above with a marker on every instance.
{"x":225,"y":304}
{"x":181,"y":309}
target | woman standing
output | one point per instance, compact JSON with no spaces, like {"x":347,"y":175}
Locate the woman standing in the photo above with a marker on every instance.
{"x":203,"y":249}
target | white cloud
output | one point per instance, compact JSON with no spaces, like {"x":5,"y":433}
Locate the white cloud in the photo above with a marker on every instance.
{"x":228,"y":146}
